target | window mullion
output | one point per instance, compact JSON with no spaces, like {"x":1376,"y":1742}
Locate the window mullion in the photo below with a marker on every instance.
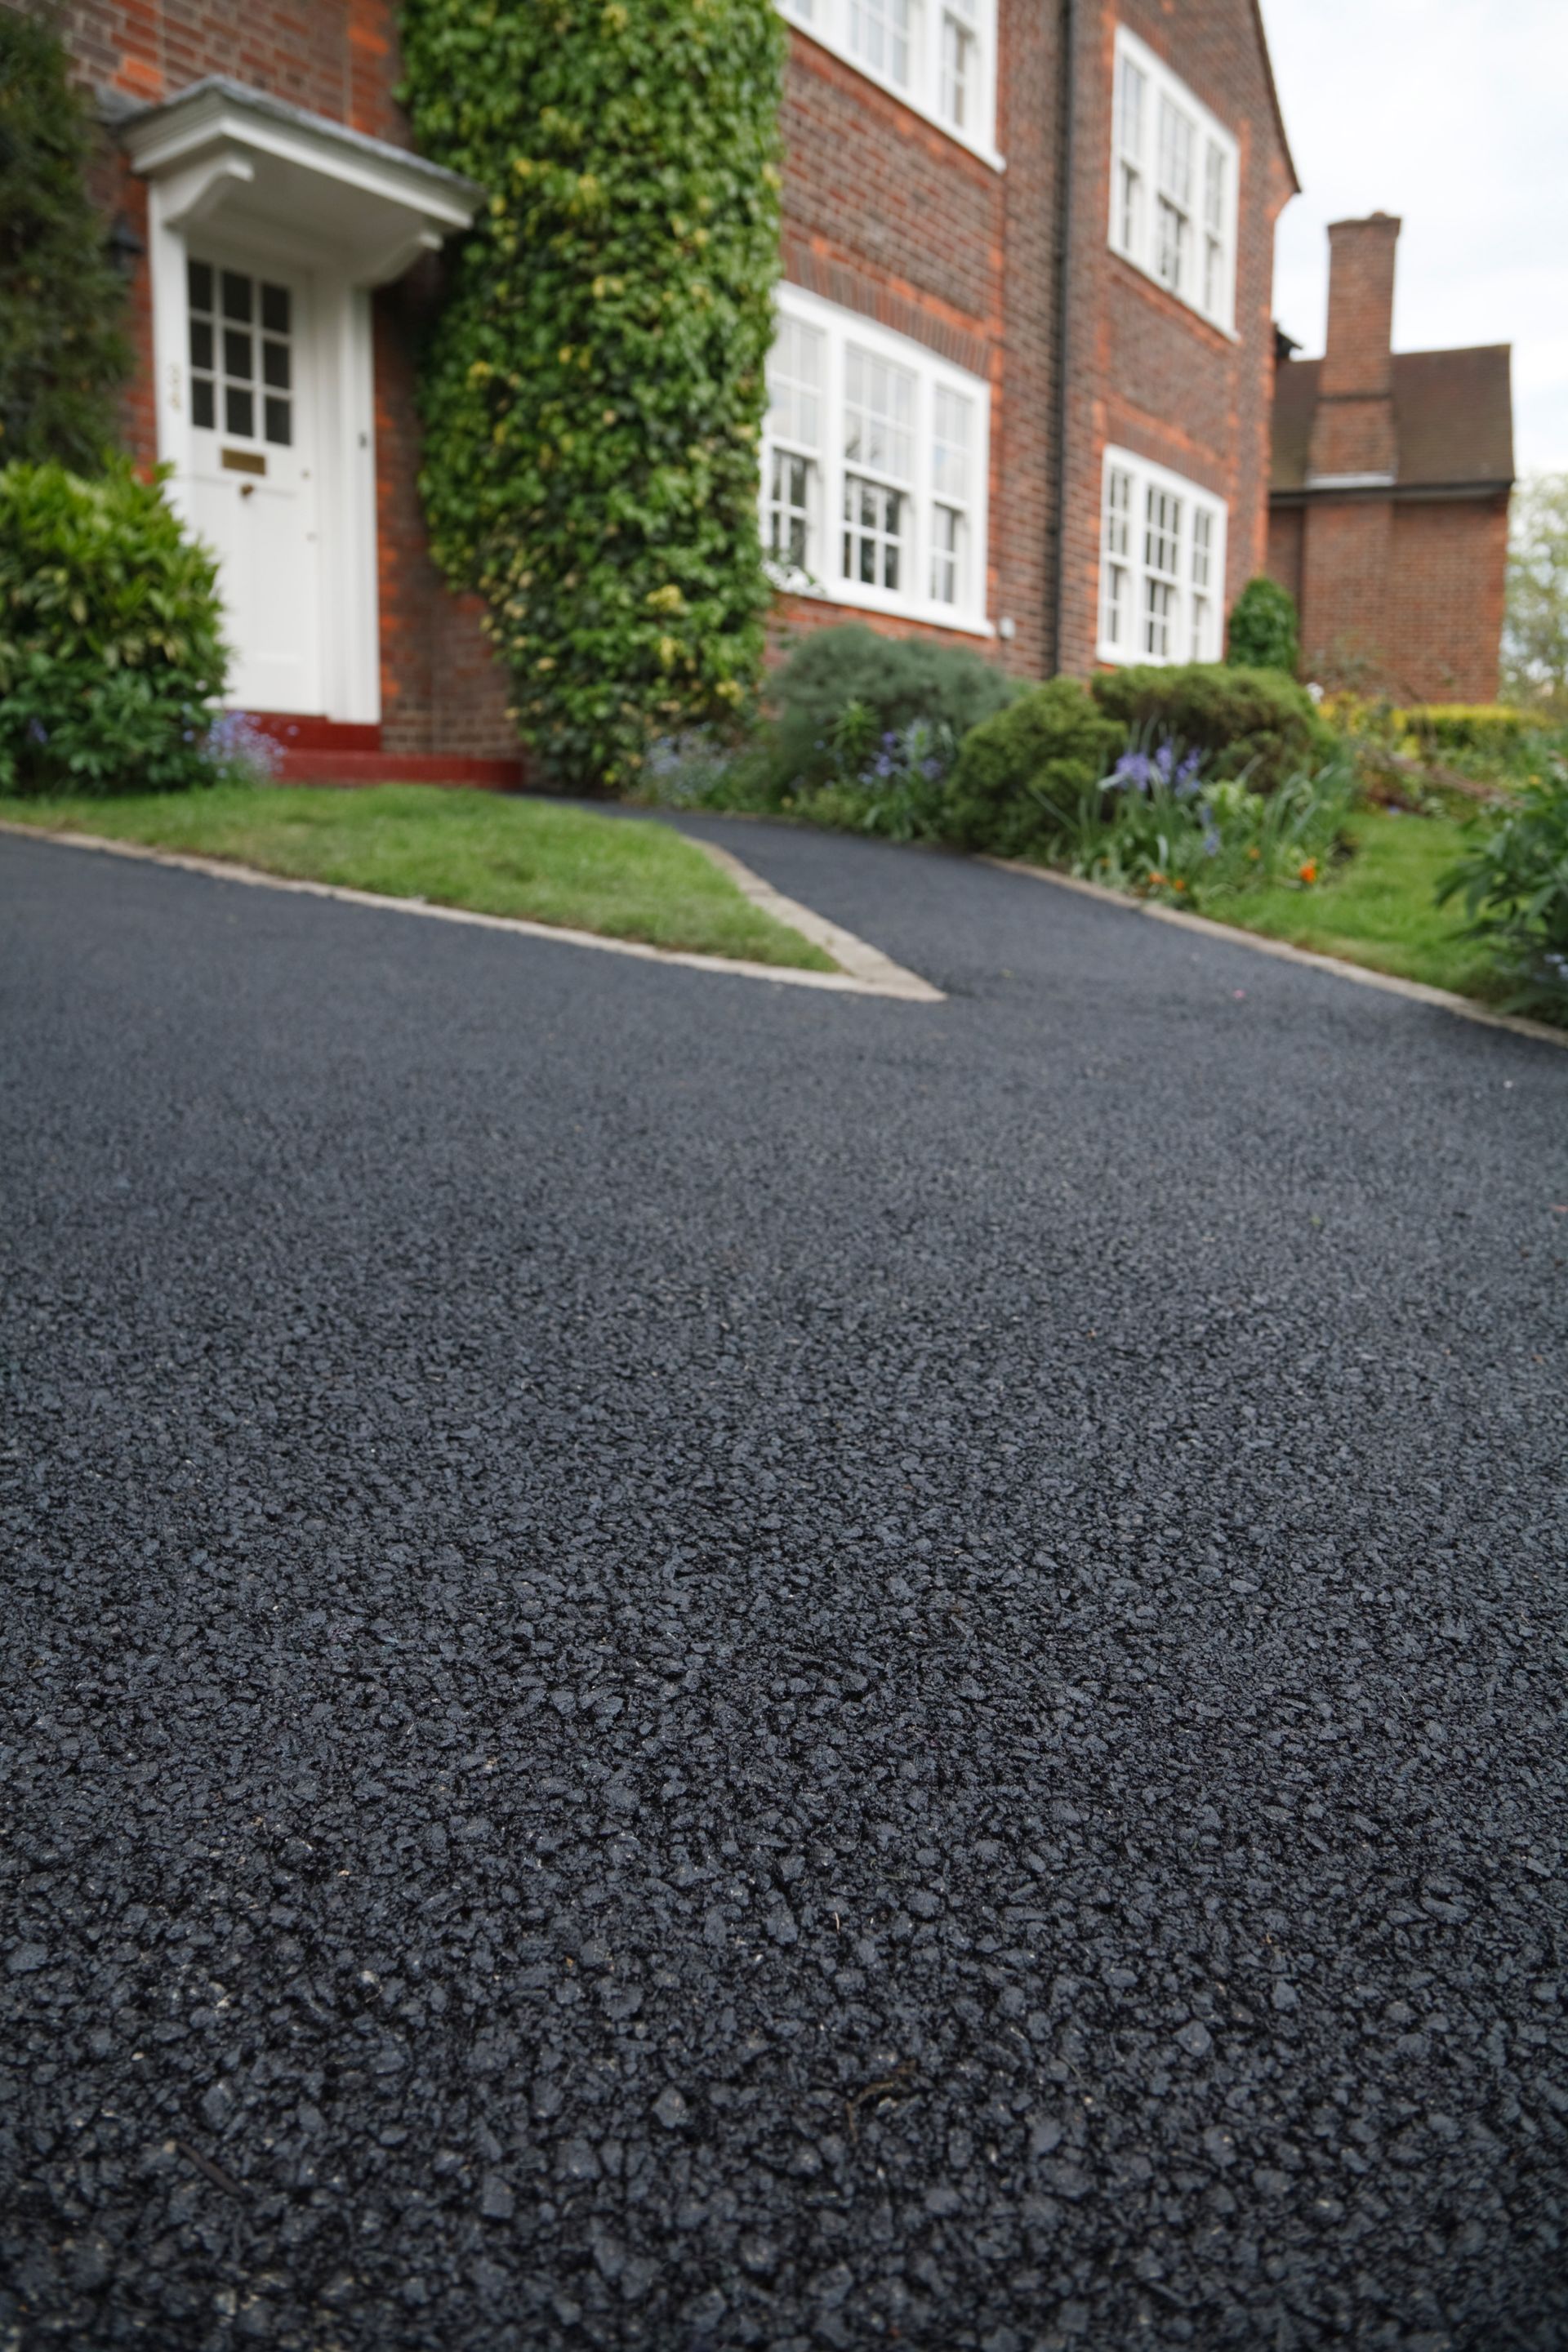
{"x":833,"y":573}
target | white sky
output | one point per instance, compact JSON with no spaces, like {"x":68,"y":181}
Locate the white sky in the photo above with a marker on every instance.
{"x":1452,"y":114}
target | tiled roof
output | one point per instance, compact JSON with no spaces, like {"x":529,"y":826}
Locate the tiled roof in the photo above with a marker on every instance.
{"x":1453,"y":413}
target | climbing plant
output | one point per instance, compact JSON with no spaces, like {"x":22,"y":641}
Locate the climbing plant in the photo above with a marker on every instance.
{"x":63,"y":352}
{"x":594,"y":389}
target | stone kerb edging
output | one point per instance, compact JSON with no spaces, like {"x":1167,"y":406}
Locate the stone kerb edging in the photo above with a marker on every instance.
{"x":1418,"y":991}
{"x":865,"y":970}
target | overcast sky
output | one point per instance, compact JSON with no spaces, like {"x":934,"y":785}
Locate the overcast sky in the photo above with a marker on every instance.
{"x":1452,"y":114}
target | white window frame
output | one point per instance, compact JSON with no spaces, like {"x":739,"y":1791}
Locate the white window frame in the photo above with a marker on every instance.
{"x":859,"y":30}
{"x":1157,"y":569}
{"x":1155,"y":210}
{"x":930,"y":485}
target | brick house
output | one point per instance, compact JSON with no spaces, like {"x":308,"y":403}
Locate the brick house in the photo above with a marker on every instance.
{"x":1388,"y":514}
{"x":1020,"y":395}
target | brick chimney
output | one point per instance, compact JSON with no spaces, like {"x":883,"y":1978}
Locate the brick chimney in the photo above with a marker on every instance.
{"x":1353,"y":431}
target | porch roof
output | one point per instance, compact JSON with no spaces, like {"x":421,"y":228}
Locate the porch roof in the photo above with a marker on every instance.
{"x":227,"y":155}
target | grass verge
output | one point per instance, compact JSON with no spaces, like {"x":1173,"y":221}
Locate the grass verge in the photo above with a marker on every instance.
{"x":1376,"y":906}
{"x":493,"y":855}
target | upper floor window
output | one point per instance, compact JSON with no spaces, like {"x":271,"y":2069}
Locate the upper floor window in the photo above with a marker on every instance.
{"x":1173,"y":184}
{"x":873,"y":467}
{"x":938,"y":54}
{"x":1161,"y":565}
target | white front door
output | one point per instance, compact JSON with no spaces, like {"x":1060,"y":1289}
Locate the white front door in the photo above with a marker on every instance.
{"x":254,"y":493}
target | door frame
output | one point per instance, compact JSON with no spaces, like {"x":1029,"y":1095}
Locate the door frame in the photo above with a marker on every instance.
{"x":341,"y":372}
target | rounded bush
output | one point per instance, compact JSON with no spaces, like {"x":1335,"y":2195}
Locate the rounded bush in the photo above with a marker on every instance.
{"x":111,"y":650}
{"x":1254,"y":723}
{"x":1028,"y":773}
{"x":1264,"y":630}
{"x":899,"y":681}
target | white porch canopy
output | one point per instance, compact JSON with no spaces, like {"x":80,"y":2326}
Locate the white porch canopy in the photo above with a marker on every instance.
{"x":224,"y":156}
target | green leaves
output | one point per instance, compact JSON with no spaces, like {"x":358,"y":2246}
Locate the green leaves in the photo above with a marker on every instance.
{"x":63,"y":355}
{"x":1264,"y":632}
{"x":111,"y":650}
{"x":594,"y":390}
{"x":1513,"y":885}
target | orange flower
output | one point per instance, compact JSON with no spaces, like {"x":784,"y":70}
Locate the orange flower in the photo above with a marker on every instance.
{"x":1156,"y":881}
{"x":1178,"y":885}
{"x":1310,"y":871}
{"x":1255,"y":853}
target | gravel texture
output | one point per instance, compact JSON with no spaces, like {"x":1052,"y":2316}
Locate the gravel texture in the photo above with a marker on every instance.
{"x":695,"y":1666}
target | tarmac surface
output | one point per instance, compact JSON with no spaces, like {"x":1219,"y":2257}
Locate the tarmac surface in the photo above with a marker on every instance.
{"x":698,"y":1664}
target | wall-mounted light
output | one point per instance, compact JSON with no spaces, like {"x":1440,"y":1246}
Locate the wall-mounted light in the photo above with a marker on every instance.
{"x":125,"y":247}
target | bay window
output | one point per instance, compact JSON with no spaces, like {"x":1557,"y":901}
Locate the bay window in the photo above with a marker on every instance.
{"x":1162,"y":566}
{"x":1173,"y":184}
{"x":873,"y":474}
{"x":938,"y":56}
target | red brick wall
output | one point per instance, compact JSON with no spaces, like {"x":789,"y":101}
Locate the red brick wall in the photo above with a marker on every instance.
{"x":441,"y":689}
{"x":1448,"y":569}
{"x":1344,"y":578}
{"x":1405,"y":596}
{"x":1145,"y":372}
{"x":1284,"y":559}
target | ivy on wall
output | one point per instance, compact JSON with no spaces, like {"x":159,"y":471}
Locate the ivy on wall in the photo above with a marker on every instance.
{"x":63,"y":352}
{"x":595,"y":388}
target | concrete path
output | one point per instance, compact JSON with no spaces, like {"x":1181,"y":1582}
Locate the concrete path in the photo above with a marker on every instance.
{"x":697,"y":1665}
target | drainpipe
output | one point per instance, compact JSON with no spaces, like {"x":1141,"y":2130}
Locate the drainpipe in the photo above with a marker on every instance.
{"x":1067,"y":124}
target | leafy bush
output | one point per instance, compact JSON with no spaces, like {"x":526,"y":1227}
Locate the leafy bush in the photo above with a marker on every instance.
{"x":63,"y":355}
{"x":1264,"y":630}
{"x":111,"y":647}
{"x":595,"y":388}
{"x":896,"y":680}
{"x":1026,"y":776}
{"x":1250,"y":723}
{"x":1514,"y":888}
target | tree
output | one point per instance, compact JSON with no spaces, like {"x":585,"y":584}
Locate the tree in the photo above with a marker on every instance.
{"x":1535,"y":633}
{"x":63,"y":352}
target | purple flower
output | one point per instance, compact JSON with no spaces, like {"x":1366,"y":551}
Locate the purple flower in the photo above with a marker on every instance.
{"x":235,"y":739}
{"x":1134,"y":772}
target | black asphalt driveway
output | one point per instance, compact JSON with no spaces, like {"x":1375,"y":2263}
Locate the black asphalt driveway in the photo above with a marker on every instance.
{"x":694,"y":1665}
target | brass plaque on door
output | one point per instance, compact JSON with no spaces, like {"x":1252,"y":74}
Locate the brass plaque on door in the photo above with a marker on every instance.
{"x":242,"y":461}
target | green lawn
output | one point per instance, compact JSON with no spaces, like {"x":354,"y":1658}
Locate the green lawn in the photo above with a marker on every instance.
{"x":629,"y":880}
{"x":1377,"y":907}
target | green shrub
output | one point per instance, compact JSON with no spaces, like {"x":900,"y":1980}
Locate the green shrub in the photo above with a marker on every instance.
{"x":1250,"y":723}
{"x":1263,"y":631}
{"x":63,"y":355}
{"x":1514,"y":887}
{"x":1026,"y":776}
{"x":594,"y":387}
{"x":898,"y":682}
{"x":111,"y":648}
{"x":1466,"y":727}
